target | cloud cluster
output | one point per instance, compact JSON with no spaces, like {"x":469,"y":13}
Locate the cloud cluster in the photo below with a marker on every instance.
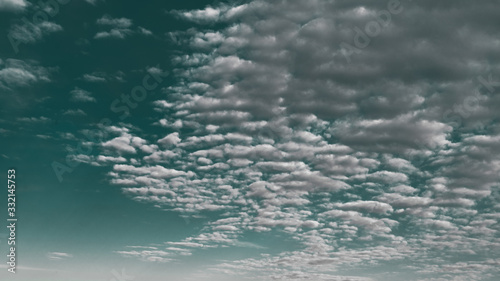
{"x":119,"y":28}
{"x":16,"y":73}
{"x":271,"y":129}
{"x":30,"y":32}
{"x":13,"y":5}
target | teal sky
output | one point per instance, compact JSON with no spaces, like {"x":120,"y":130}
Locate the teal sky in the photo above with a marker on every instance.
{"x":251,"y":140}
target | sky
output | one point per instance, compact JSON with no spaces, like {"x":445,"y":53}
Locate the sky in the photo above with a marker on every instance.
{"x":251,"y":140}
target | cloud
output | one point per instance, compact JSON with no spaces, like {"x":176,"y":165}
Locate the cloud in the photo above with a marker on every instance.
{"x":147,"y":255}
{"x":114,"y":22}
{"x":355,"y":218}
{"x":58,"y":256}
{"x":402,"y":132}
{"x":110,"y":159}
{"x":120,"y":144}
{"x":271,"y":130}
{"x":93,"y":78}
{"x":93,"y":2}
{"x":366,"y":206}
{"x":41,"y":119}
{"x":206,"y":15}
{"x":31,"y":33}
{"x":171,"y":139}
{"x":100,"y":77}
{"x":74,"y":112}
{"x":80,"y":95}
{"x":186,"y":244}
{"x":154,"y":171}
{"x":13,"y":5}
{"x":144,"y":31}
{"x":119,"y":27}
{"x":113,"y":33}
{"x":17,"y":73}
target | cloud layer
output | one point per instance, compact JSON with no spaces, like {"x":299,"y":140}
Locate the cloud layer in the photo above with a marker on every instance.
{"x":386,"y":154}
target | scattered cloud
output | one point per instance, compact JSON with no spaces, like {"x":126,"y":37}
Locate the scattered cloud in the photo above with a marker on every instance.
{"x":17,"y":73}
{"x":29,"y":32}
{"x":272,"y":130}
{"x":93,"y":78}
{"x":106,"y":20}
{"x":80,"y":95}
{"x":269,"y":131}
{"x":93,"y":2}
{"x":144,"y":31}
{"x":58,"y":256}
{"x":74,"y":112}
{"x":40,"y":119}
{"x":13,"y":5}
{"x":119,"y":27}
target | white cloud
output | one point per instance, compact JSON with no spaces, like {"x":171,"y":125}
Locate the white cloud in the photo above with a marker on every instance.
{"x":145,"y":31}
{"x":120,"y":144}
{"x":13,"y":5}
{"x":366,"y":206}
{"x":269,"y":129}
{"x":74,"y":112}
{"x":80,"y":95}
{"x":148,"y":255}
{"x":58,"y":256}
{"x":154,"y":171}
{"x":206,"y":15}
{"x":171,"y":139}
{"x":18,"y":73}
{"x":40,"y":119}
{"x":113,"y":33}
{"x":31,"y":33}
{"x":93,"y":78}
{"x":355,"y":218}
{"x":111,"y":159}
{"x":115,"y":22}
{"x":93,"y":2}
{"x":119,"y":27}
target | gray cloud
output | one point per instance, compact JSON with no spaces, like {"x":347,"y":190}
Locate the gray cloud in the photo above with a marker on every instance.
{"x":30,"y":32}
{"x":119,"y":27}
{"x":17,"y":73}
{"x":358,"y":159}
{"x":80,"y":95}
{"x":13,"y":5}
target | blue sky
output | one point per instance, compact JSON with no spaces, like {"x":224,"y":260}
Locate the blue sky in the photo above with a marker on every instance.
{"x":252,"y":140}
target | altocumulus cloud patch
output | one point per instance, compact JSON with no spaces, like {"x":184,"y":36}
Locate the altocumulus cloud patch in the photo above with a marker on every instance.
{"x":323,"y":149}
{"x":358,"y":161}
